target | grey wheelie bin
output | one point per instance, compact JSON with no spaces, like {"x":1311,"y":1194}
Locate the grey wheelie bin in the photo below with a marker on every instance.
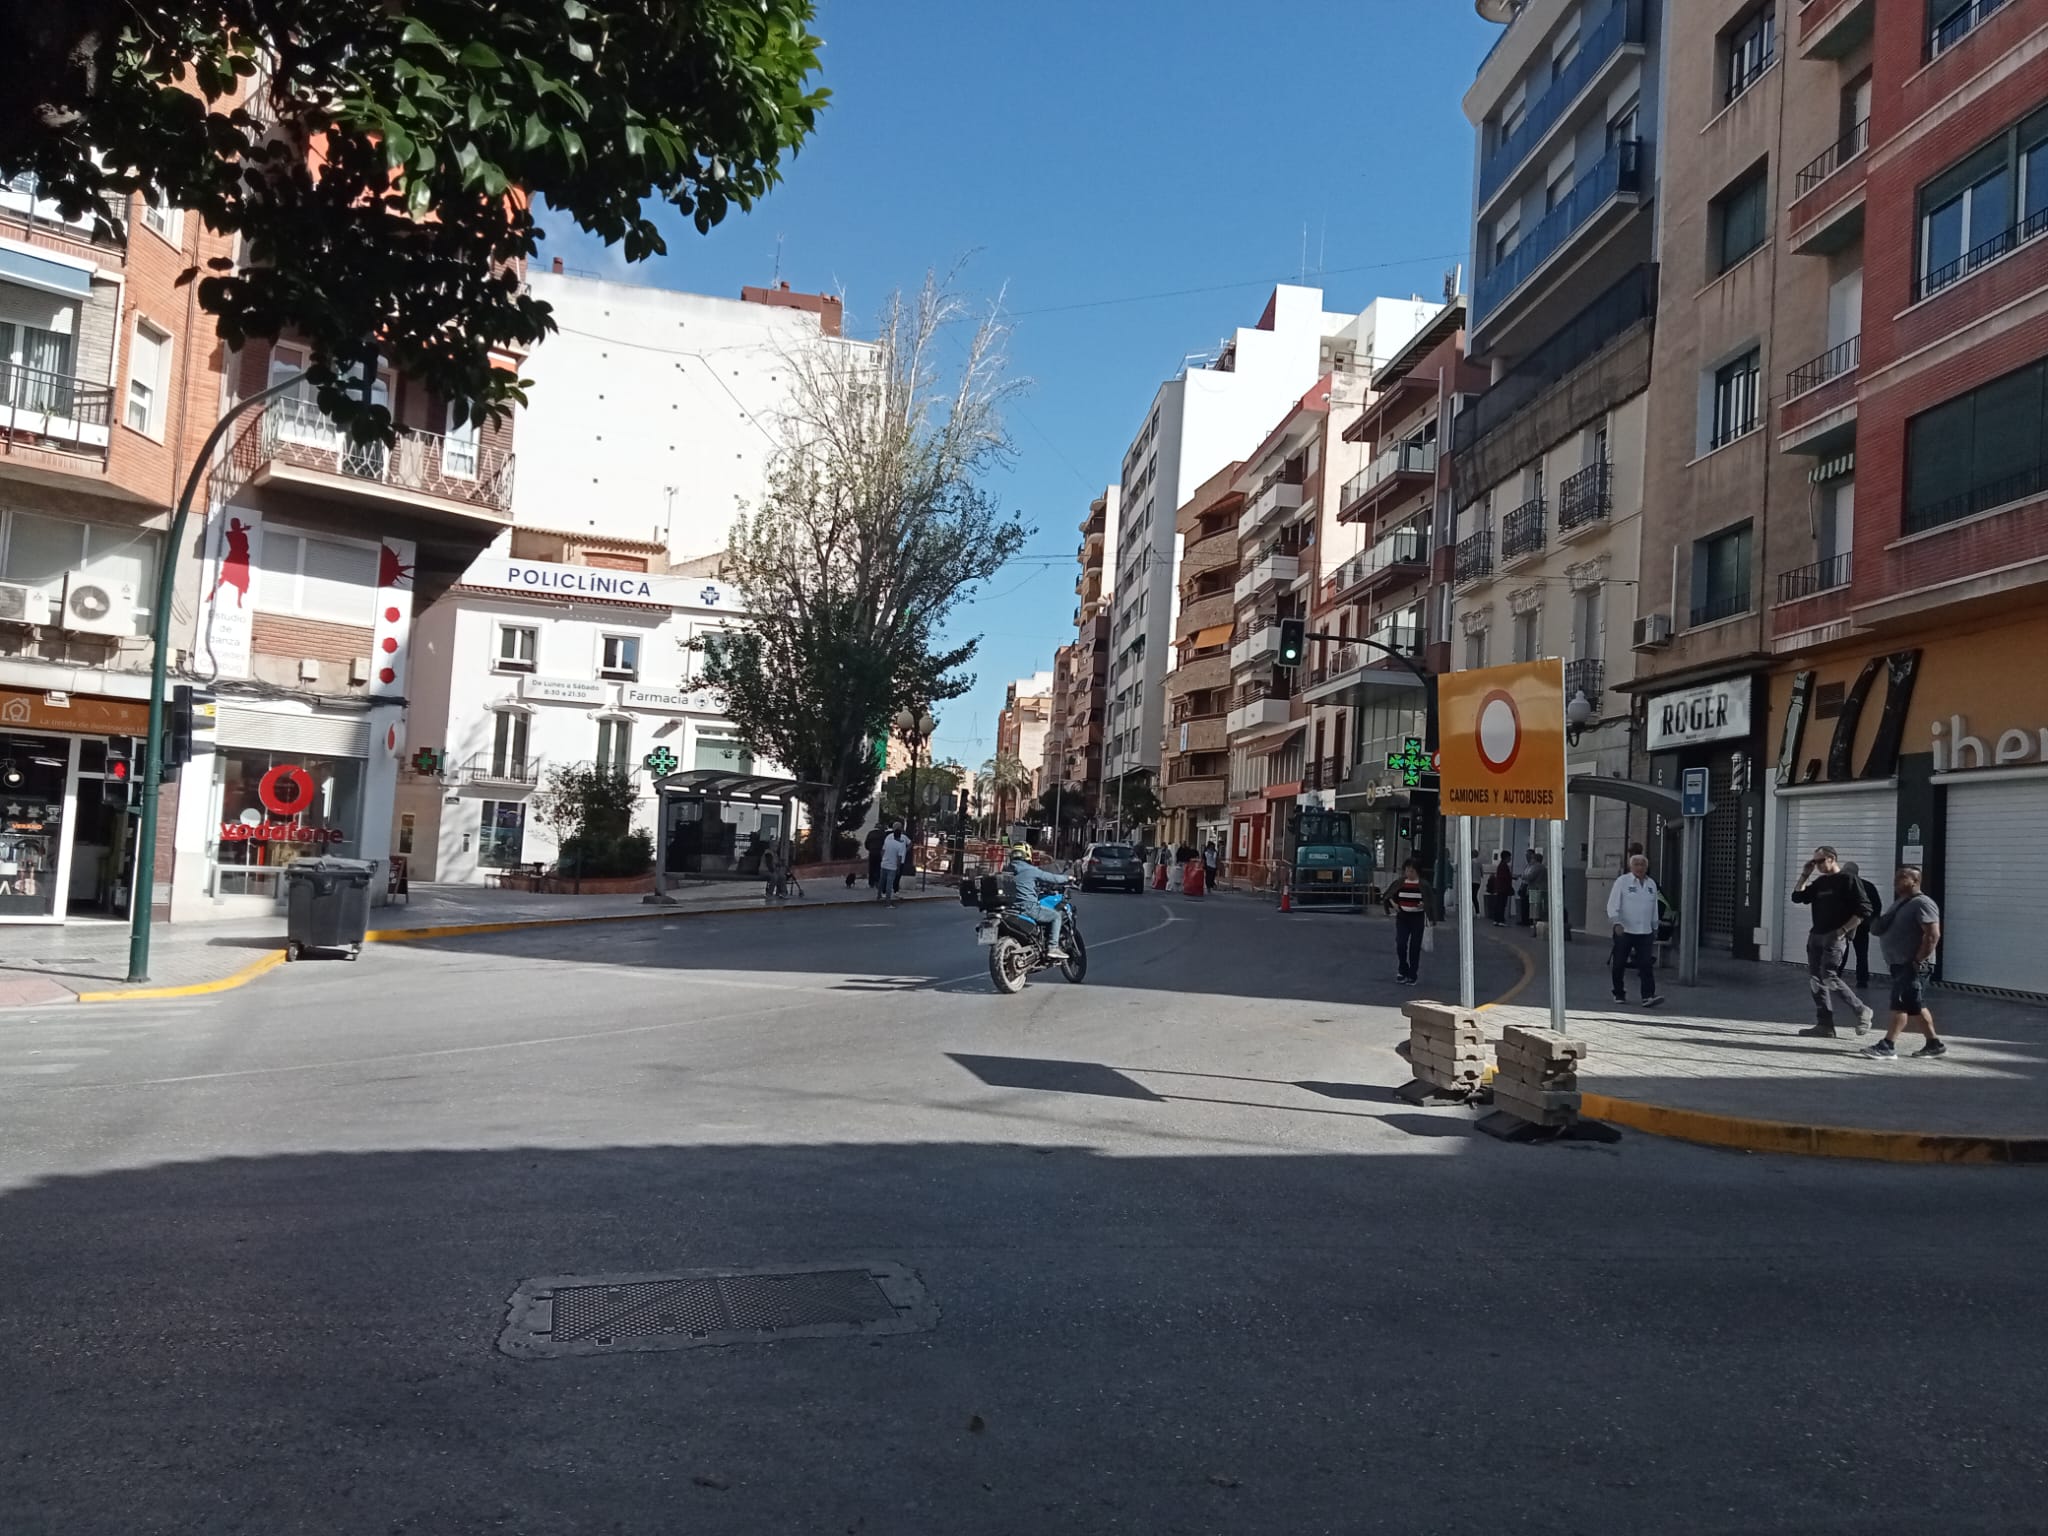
{"x":327,"y":905}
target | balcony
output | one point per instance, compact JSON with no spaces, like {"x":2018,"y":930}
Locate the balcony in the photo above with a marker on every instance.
{"x":1521,"y":531}
{"x":1199,"y":675}
{"x":1194,"y":793}
{"x":1819,"y":411}
{"x":1205,"y":733}
{"x":53,"y":410}
{"x":1261,"y":642}
{"x":1473,"y":558}
{"x":1204,"y":613}
{"x":1584,"y":501}
{"x":1959,"y":24}
{"x":1277,"y":496}
{"x":1214,"y":553}
{"x":294,"y":443}
{"x":1827,"y":199}
{"x":1618,"y":177}
{"x":1811,"y":580}
{"x":1600,"y":46}
{"x":1403,"y":467}
{"x":1829,"y":29}
{"x":1257,"y":713}
{"x":1268,"y":569}
{"x":500,"y":769}
{"x":2001,"y":244}
{"x":1586,"y":675}
{"x":1401,"y":555}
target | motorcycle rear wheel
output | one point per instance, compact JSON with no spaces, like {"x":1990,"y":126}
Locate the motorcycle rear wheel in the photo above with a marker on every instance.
{"x":1009,"y":963}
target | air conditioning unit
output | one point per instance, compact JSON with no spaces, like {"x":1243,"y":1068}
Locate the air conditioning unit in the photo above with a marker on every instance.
{"x":96,"y":606}
{"x":1652,"y":630}
{"x":23,"y":605}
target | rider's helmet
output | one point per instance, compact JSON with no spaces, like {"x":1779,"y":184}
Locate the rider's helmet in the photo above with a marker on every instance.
{"x":1021,"y":851}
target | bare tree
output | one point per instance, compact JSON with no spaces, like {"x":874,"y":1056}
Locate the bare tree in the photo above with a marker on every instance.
{"x":874,"y":527}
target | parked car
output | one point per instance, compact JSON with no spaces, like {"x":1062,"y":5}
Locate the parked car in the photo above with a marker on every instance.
{"x":1107,"y":864}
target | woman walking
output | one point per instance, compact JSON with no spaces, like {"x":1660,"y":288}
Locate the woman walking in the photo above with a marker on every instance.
{"x":1500,"y":889}
{"x":1408,"y":900}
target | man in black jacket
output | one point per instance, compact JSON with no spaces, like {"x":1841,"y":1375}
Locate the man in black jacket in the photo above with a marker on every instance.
{"x":1839,"y":908}
{"x":1860,"y":939}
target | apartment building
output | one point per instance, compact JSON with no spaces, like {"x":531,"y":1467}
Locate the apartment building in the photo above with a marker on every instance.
{"x":1897,"y":575}
{"x":1020,"y":735}
{"x":1548,"y":471}
{"x":1385,"y":596}
{"x":109,"y":383}
{"x":1056,"y":764}
{"x":1196,"y":753}
{"x":1088,"y":668}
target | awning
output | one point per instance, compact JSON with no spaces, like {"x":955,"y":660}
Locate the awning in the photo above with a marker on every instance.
{"x":50,"y":276}
{"x":1207,"y":639}
{"x":723,"y":784}
{"x":1837,"y":468}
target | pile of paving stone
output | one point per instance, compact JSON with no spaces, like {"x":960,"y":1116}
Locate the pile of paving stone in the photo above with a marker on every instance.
{"x":1447,"y":1049}
{"x":1538,"y":1076}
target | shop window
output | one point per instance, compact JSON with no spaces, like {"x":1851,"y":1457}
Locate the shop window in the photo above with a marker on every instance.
{"x":518,"y":646}
{"x":315,"y":578}
{"x":619,"y":658}
{"x":279,"y":806}
{"x":32,"y":774}
{"x":723,"y":751}
{"x":501,"y":835}
{"x":40,"y":552}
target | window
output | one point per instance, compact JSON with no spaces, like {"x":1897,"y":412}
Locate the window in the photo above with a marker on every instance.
{"x":408,"y":824}
{"x":1593,"y":444}
{"x":508,"y":745}
{"x":149,"y":363}
{"x":1978,"y":451}
{"x":1836,"y":531}
{"x":1950,"y":21}
{"x":1589,"y":621}
{"x":1622,"y":127}
{"x":518,"y":646}
{"x":251,"y":866}
{"x":1982,"y":207}
{"x":1720,"y":575}
{"x":159,"y":217}
{"x":315,"y":578}
{"x":41,"y":551}
{"x":501,"y":834}
{"x":620,"y":658}
{"x":1736,"y":398}
{"x":459,"y":447}
{"x":1475,"y":649}
{"x":1739,"y":218}
{"x":1528,"y":635}
{"x":721,"y":750}
{"x":615,"y":745}
{"x":35,"y":359}
{"x":1751,"y":47}
{"x":1507,"y":234}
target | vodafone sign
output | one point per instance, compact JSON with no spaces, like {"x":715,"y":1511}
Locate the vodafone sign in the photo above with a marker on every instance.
{"x":1502,"y":730}
{"x":286,"y":791}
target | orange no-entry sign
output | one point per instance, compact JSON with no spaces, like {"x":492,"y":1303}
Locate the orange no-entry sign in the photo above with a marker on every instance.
{"x":1502,"y":730}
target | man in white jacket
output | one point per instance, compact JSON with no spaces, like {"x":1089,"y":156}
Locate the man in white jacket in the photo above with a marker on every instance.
{"x":1632,"y":907}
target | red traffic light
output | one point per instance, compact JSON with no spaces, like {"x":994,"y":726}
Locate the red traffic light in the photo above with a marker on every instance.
{"x":117,"y":767}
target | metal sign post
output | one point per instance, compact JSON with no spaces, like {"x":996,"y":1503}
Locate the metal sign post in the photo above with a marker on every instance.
{"x":1694,"y":810}
{"x":1465,"y":898}
{"x":1554,"y":911}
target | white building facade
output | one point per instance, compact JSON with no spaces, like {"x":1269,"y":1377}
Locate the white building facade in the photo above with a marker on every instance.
{"x":531,"y":664}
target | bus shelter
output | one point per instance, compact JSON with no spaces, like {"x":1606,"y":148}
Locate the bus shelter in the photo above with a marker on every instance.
{"x":717,"y":824}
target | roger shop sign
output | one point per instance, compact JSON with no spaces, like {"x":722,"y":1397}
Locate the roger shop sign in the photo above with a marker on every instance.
{"x":1714,"y":711}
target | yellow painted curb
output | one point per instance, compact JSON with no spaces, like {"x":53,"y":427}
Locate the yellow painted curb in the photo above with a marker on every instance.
{"x":1745,"y":1135}
{"x":1528,"y":975}
{"x":228,"y":983}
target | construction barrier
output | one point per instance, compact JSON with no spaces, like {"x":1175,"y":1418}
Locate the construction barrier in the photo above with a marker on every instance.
{"x":1538,"y":1079}
{"x":1194,"y":878}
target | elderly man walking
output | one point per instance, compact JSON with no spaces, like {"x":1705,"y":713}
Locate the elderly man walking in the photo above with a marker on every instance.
{"x":1633,"y":910}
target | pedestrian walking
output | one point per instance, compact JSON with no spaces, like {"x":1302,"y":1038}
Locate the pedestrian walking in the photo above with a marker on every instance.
{"x":1839,"y":906}
{"x":1910,"y":932}
{"x":1526,"y":885}
{"x":895,"y":855}
{"x":1633,"y":909}
{"x":1408,"y":899}
{"x":1500,"y":889}
{"x":875,"y":838}
{"x":775,"y":868}
{"x":1210,"y":857}
{"x":1860,"y":939}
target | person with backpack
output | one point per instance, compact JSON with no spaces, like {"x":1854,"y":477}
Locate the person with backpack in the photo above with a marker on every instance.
{"x":1860,"y":939}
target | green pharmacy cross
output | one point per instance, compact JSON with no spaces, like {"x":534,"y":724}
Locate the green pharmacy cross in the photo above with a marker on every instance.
{"x":1411,"y":762}
{"x":426,"y":760}
{"x":661,"y":762}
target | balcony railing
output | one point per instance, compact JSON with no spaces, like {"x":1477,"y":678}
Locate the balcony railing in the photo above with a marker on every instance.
{"x":105,"y":222}
{"x":1627,"y":304}
{"x":1623,"y":24}
{"x":1474,"y":557}
{"x":54,"y":407}
{"x":1724,"y":606}
{"x":501,"y":768}
{"x":1401,"y":459}
{"x":1405,"y":638}
{"x":1833,"y":158}
{"x":2018,"y":486}
{"x":1938,"y":278}
{"x":1959,"y":24}
{"x":1821,"y":576}
{"x":1619,"y":171}
{"x":296,"y":432}
{"x":1585,"y":675}
{"x":1831,"y":364}
{"x":1521,"y":531}
{"x":1586,"y":497}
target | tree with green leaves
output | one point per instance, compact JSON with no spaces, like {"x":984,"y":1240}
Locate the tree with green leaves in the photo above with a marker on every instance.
{"x":1006,"y":779}
{"x":938,"y":790}
{"x":380,"y":160}
{"x":1134,"y":803}
{"x":874,"y":528}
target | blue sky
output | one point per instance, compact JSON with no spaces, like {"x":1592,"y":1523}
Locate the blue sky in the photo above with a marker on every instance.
{"x":1077,"y":152}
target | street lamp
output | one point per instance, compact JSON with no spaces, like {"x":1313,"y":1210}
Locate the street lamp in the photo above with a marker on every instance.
{"x":915,"y":726}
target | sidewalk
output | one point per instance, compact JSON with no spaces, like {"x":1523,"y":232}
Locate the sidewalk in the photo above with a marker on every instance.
{"x":1721,"y":1057}
{"x":54,"y":965}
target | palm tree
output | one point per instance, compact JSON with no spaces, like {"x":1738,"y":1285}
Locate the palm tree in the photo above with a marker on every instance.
{"x":1007,"y":779}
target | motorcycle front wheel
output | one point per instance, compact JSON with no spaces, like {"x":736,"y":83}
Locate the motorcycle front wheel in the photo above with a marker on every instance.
{"x":1075,"y":966}
{"x":1009,"y":963}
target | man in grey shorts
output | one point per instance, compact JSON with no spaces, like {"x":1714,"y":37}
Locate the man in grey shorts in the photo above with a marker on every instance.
{"x":1910,"y":931}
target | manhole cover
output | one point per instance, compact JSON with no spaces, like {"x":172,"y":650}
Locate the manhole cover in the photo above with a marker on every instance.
{"x":613,"y":1314}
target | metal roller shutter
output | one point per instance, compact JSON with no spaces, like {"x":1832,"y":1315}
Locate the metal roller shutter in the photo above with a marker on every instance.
{"x":1861,"y":826}
{"x":315,"y":735}
{"x":1990,"y":929}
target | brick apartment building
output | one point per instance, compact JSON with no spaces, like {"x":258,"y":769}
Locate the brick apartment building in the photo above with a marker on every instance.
{"x":1848,"y":461}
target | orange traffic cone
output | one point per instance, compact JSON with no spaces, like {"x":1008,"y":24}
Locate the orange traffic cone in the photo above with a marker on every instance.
{"x":1287,"y":897}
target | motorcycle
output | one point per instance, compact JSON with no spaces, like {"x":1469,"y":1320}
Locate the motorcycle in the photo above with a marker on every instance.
{"x":1017,"y":944}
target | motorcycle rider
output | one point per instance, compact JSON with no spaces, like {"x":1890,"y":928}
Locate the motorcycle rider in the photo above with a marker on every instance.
{"x":1033,"y":883}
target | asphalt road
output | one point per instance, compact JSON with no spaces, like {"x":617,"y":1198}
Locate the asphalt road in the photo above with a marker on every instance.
{"x":1195,"y":1269}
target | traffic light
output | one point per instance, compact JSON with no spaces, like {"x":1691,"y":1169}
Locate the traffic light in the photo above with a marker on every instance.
{"x":1293,"y":639}
{"x":120,"y":770}
{"x":186,"y":703}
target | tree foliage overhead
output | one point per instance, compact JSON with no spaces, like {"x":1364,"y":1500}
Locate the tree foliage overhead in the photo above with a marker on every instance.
{"x":874,"y":527}
{"x":938,"y":790}
{"x":378,"y":158}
